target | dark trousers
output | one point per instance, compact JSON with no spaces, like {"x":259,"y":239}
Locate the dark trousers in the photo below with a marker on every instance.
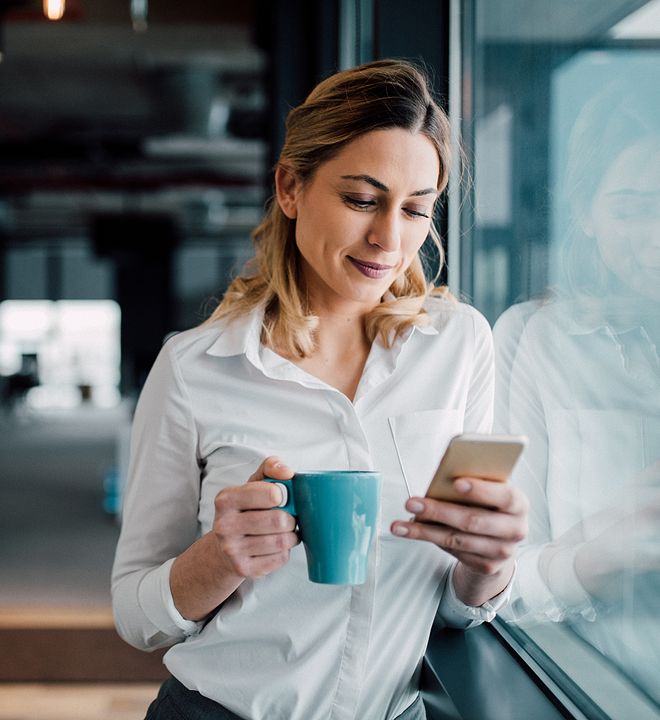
{"x":176,"y":702}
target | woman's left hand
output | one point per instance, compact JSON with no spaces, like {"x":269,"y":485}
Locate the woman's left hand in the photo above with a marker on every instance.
{"x":483,"y":537}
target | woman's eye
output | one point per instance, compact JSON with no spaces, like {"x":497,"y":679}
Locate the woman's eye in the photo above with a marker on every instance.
{"x":366,"y":204}
{"x":635,"y":209}
{"x":415,"y":212}
{"x":359,"y":203}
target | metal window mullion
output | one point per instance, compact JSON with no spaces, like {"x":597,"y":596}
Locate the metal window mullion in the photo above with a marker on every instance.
{"x":356,"y":36}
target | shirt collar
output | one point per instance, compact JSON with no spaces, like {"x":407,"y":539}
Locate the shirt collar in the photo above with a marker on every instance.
{"x":575,"y":327}
{"x":424,"y":329}
{"x":616,"y":318}
{"x":240,"y":336}
{"x":382,"y":361}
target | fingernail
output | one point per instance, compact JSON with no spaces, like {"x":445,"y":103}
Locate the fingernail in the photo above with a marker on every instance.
{"x":415,"y":506}
{"x":400,"y":530}
{"x":462,"y":486}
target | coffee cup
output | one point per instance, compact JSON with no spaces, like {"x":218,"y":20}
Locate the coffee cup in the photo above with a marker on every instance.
{"x":337,"y":514}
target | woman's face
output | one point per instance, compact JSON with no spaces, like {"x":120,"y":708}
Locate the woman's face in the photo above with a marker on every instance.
{"x":362,"y":217}
{"x":624,"y":217}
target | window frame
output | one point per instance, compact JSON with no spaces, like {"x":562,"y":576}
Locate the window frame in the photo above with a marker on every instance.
{"x":581,"y":682}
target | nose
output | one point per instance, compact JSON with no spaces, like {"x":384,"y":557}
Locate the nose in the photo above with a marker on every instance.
{"x":385,"y":231}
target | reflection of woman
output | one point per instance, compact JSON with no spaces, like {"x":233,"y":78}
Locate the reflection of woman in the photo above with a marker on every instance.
{"x":581,"y":375}
{"x":332,"y":335}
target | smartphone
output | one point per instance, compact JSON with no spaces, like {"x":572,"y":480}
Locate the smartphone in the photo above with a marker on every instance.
{"x":491,"y":457}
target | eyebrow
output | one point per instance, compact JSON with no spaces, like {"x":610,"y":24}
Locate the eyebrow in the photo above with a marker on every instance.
{"x":630,"y":192}
{"x":380,"y":186}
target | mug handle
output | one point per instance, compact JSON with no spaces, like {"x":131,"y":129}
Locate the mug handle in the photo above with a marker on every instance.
{"x":286,"y":486}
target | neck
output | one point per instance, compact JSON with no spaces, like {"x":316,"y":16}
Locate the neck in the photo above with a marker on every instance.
{"x":342,"y":348}
{"x":341,"y":321}
{"x":339,"y":333}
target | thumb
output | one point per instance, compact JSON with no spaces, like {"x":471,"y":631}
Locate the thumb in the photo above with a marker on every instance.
{"x":272,"y":467}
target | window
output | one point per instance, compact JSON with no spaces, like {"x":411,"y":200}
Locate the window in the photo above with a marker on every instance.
{"x":558,"y":244}
{"x":57,"y":355}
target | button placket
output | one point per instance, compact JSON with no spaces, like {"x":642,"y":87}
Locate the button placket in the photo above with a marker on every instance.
{"x":358,"y":631}
{"x":355,"y":439}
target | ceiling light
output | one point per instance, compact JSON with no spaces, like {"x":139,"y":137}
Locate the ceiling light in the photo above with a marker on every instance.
{"x":54,"y":9}
{"x":139,"y":10}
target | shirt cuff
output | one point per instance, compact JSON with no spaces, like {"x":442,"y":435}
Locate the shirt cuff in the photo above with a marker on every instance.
{"x":157,"y":603}
{"x":459,"y":615}
{"x":558,"y":571}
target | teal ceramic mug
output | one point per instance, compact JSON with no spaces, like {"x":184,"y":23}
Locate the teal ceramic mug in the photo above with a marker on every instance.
{"x":337,"y":514}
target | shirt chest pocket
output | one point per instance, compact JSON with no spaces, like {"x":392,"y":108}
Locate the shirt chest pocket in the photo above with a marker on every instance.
{"x":420,"y":439}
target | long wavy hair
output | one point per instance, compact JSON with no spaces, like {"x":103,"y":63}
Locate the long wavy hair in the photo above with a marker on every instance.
{"x":380,"y":95}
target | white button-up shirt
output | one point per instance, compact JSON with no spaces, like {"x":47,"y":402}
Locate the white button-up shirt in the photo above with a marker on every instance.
{"x":216,"y":403}
{"x":587,"y":394}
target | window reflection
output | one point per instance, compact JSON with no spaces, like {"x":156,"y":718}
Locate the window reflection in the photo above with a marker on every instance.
{"x":579,"y":372}
{"x":561,"y":251}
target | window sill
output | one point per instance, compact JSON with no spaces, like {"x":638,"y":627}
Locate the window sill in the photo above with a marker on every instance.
{"x":472,"y":675}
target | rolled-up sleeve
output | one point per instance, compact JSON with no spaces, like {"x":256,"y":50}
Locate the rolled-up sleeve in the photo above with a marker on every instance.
{"x":160,"y":510}
{"x":453,"y":612}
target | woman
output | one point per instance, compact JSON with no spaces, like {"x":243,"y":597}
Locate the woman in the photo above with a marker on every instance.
{"x":580,"y":372}
{"x":308,"y":363}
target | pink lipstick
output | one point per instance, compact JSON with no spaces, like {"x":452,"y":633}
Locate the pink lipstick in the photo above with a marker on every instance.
{"x":370,"y":269}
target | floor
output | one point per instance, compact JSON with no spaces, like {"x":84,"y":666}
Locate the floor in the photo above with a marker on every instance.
{"x":33,"y":701}
{"x":57,"y":548}
{"x":57,"y":541}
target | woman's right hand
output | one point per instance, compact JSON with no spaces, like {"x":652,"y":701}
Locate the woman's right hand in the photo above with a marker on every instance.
{"x":255,"y":537}
{"x":251,"y":537}
{"x":622,"y":539}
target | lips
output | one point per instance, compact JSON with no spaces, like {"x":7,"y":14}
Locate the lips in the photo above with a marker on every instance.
{"x":370,"y":269}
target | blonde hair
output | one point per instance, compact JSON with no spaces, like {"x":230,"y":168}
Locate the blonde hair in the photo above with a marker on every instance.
{"x":379,"y":95}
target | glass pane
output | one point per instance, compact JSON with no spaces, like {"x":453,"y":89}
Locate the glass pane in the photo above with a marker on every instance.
{"x":564,"y":126}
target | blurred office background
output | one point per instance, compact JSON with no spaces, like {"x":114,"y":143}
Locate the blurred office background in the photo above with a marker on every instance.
{"x":137,"y":139}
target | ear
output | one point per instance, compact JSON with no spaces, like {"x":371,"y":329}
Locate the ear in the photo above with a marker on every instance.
{"x":287,"y":189}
